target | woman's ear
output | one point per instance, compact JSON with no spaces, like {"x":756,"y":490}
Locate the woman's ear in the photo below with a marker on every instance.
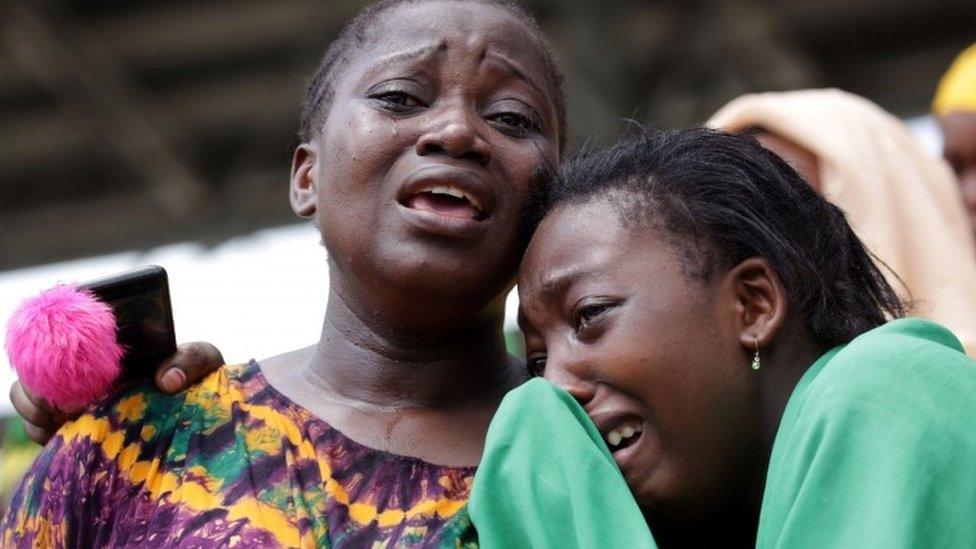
{"x":759,"y":301}
{"x":304,"y":187}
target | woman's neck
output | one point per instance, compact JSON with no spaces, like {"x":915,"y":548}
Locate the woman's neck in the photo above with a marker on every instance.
{"x":783,"y":368}
{"x":366,"y":362}
{"x":735,"y":522}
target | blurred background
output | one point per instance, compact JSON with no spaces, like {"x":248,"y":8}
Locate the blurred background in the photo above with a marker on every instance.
{"x":160,"y":131}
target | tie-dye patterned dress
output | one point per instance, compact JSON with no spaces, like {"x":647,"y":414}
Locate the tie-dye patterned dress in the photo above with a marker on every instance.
{"x":230,"y":462}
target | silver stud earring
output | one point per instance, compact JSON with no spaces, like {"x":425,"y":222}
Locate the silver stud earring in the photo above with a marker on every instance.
{"x":755,"y":359}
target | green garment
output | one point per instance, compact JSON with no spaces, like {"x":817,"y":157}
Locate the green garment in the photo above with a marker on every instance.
{"x":548,"y":480}
{"x":877,"y":447}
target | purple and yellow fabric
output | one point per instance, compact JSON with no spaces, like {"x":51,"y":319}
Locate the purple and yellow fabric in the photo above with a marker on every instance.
{"x":230,"y":462}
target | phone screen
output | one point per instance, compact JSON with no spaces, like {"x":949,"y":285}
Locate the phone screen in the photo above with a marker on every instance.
{"x":143,"y":314}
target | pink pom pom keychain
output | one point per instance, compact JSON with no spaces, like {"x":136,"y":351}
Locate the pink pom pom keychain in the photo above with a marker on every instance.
{"x":63,"y":347}
{"x":71,"y":344}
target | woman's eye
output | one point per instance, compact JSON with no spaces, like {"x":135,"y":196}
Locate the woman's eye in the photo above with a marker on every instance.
{"x":397,"y":100}
{"x":536,"y":365}
{"x":587,"y":315}
{"x":515,"y":123}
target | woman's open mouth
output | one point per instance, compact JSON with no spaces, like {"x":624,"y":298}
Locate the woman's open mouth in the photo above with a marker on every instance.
{"x":623,"y":436}
{"x":448,"y":201}
{"x":627,"y":438}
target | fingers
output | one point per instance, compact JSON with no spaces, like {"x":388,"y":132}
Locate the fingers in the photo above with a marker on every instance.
{"x":41,"y":421}
{"x":38,"y":434}
{"x":31,"y":408}
{"x":191,"y":363}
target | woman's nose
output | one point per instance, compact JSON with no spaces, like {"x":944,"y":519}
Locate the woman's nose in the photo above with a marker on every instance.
{"x":455,"y":134}
{"x":571,"y":376}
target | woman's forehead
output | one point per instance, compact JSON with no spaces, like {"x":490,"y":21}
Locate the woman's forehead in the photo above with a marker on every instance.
{"x":572,"y":239}
{"x":451,"y":25}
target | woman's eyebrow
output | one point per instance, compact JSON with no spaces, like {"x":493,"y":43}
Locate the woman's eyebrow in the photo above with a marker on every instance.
{"x":377,"y":66}
{"x":408,"y":55}
{"x":556,"y":284}
{"x":513,"y":68}
{"x":400,"y":57}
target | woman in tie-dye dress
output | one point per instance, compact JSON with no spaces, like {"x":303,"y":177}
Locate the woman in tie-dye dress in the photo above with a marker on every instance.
{"x":425,"y":130}
{"x":231,"y":461}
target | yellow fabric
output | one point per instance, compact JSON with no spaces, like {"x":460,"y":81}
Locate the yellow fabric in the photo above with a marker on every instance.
{"x":957,"y":88}
{"x":228,"y":462}
{"x":902,"y":202}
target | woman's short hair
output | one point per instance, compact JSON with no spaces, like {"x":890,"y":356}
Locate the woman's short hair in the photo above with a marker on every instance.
{"x":321,"y":87}
{"x":720,"y":199}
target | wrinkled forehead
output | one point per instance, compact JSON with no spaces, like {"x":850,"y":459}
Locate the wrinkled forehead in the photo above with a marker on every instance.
{"x":452,"y":26}
{"x":573,"y":241}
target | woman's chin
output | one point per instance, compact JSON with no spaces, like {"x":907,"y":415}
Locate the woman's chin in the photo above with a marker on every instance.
{"x":445,"y":274}
{"x":661,"y":495}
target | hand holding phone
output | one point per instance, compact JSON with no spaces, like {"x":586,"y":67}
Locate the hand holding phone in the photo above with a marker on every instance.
{"x":70,"y":345}
{"x":143,"y":314}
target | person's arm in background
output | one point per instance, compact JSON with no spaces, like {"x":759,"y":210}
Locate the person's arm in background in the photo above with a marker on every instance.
{"x":191,"y":363}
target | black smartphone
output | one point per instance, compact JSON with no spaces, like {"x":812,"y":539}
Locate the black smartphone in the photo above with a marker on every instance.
{"x":144,"y":316}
